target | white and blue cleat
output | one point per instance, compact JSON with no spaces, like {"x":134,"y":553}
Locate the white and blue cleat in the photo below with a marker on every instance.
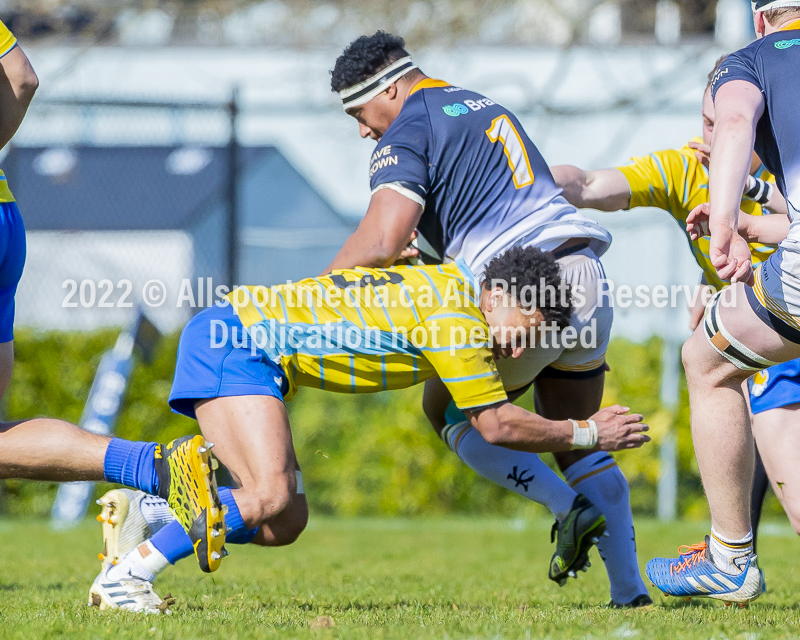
{"x":694,"y":575}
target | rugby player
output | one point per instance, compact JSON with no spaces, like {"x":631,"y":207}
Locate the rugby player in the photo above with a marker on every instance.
{"x":53,"y":450}
{"x":745,"y":329}
{"x":461,"y":170}
{"x":18,"y":84}
{"x":355,"y":331}
{"x":676,"y":181}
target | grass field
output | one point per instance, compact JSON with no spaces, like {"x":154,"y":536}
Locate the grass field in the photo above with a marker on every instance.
{"x":422,"y":578}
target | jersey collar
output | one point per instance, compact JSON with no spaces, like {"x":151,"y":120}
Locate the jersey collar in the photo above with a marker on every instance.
{"x":470,"y":277}
{"x":428,"y":83}
{"x":789,"y":26}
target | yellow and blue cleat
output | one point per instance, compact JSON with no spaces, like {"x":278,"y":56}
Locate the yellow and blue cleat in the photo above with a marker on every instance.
{"x":186,"y":480}
{"x":694,"y":575}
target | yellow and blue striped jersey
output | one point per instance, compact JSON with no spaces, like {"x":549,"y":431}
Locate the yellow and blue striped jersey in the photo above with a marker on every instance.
{"x":7,"y":43}
{"x":364,"y":330}
{"x":676,"y":181}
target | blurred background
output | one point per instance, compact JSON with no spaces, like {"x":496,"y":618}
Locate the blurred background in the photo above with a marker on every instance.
{"x":195,"y":139}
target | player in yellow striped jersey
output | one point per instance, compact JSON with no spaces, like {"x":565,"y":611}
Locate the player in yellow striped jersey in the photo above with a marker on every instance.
{"x":675,"y":180}
{"x":359,"y":331}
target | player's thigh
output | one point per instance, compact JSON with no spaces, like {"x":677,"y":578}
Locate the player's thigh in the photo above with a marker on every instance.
{"x":733,"y":342}
{"x":560,"y":398}
{"x":253,"y":440}
{"x":777,"y":433}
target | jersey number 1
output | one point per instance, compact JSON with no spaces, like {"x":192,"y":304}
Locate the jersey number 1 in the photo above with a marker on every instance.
{"x":503,"y":129}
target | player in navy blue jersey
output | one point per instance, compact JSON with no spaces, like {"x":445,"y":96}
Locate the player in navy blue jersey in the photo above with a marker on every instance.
{"x":459,"y":169}
{"x":746,"y":328}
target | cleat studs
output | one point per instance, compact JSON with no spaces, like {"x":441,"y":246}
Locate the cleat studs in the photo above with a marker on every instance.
{"x":572,"y":574}
{"x":225,"y":509}
{"x":209,"y":445}
{"x":214,"y":464}
{"x":201,"y":450}
{"x":727,"y":604}
{"x":98,"y":501}
{"x":214,"y":533}
{"x":215,"y":556}
{"x":204,"y":468}
{"x":605,"y":534}
{"x":100,"y":518}
{"x":228,"y":529}
{"x":585,"y":568}
{"x":594,"y":540}
{"x":100,"y":557}
{"x":688,"y":599}
{"x":225,"y":552}
{"x":743,"y":605}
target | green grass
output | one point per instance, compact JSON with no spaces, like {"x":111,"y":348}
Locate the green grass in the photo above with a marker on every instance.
{"x":395,"y":578}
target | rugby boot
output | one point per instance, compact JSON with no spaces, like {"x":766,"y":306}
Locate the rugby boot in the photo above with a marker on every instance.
{"x":574,"y":537}
{"x":186,"y":480}
{"x":128,"y":518}
{"x":693,"y":575}
{"x":130,"y":593}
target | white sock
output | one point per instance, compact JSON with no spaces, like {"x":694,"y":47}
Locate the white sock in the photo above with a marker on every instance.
{"x":599,"y":478}
{"x":144,"y":562}
{"x":730,"y":556}
{"x":523,"y":473}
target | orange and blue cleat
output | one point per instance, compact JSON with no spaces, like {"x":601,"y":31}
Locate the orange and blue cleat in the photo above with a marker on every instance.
{"x":694,"y":575}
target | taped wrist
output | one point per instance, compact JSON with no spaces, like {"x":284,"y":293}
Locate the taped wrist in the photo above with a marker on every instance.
{"x":758,"y":190}
{"x":584,"y":434}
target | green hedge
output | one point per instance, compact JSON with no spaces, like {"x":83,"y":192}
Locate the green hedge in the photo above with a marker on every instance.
{"x":361,"y":455}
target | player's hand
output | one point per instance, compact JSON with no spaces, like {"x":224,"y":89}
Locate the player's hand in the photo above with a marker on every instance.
{"x":411,"y":251}
{"x":702,"y":152}
{"x":617,"y":429}
{"x":730,"y":255}
{"x":697,"y":221}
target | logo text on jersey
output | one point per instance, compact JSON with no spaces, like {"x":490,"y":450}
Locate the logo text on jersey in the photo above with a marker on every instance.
{"x":718,"y":75}
{"x":381,"y":158}
{"x":785,"y":44}
{"x":459,"y":108}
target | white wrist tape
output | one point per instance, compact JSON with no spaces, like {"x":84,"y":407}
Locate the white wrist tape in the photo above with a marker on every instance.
{"x":584,"y":434}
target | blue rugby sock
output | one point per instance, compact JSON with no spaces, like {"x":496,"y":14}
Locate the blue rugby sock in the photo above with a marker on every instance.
{"x":173,"y":542}
{"x":132,"y":464}
{"x":239,"y":533}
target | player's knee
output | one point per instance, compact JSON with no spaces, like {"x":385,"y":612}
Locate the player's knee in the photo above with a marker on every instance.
{"x":285,"y":528}
{"x":273,"y":498}
{"x":704,"y":366}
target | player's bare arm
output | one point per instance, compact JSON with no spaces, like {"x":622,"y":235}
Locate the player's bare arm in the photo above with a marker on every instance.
{"x":739,"y":106}
{"x":770,"y":229}
{"x":513,"y":427}
{"x":603,"y":189}
{"x":383,"y":234}
{"x":18,"y":83}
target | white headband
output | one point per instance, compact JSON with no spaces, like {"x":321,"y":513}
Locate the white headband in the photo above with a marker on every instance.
{"x":766,"y":5}
{"x":366,"y":90}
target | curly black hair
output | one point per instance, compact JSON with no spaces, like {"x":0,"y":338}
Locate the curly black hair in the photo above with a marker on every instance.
{"x":364,"y":57}
{"x":532,"y":277}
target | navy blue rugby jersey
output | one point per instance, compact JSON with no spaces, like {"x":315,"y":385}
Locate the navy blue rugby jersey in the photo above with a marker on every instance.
{"x":773,"y":65}
{"x":483,"y":184}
